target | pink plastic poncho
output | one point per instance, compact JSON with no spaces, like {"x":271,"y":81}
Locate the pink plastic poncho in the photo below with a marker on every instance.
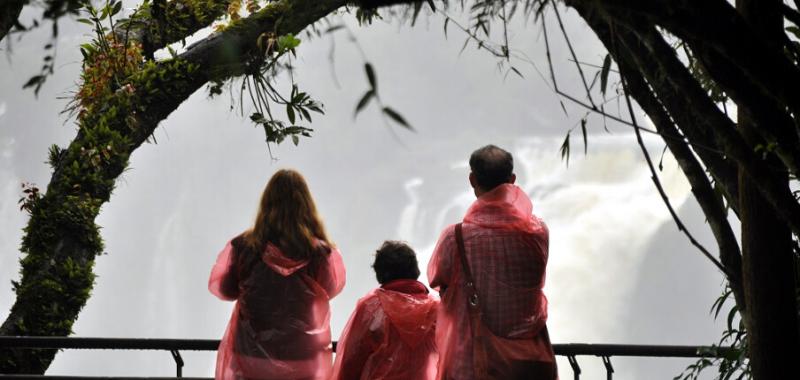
{"x":390,"y":335}
{"x":280,"y":326}
{"x":507,"y":248}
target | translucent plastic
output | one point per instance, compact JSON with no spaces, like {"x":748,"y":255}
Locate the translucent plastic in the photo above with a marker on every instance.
{"x":280,"y":325}
{"x":507,"y":248}
{"x":390,"y":335}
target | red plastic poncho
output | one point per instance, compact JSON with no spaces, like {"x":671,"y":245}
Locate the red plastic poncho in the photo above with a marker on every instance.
{"x":507,"y":247}
{"x":280,"y":326}
{"x":390,"y":335}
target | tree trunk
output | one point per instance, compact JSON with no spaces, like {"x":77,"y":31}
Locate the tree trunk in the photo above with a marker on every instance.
{"x":768,"y":267}
{"x":9,"y":12}
{"x":62,"y":239}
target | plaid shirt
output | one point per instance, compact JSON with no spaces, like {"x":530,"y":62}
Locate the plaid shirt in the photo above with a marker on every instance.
{"x":509,"y":272}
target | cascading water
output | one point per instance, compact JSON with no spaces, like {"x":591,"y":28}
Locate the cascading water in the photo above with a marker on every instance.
{"x":618,"y":271}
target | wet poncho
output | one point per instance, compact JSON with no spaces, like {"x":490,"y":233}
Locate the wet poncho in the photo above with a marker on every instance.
{"x":390,"y":335}
{"x":280,"y":325}
{"x":506,"y":247}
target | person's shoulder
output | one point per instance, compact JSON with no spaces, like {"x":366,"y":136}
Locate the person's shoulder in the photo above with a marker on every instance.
{"x":449,"y":232}
{"x":239,"y":241}
{"x":370,"y":301}
{"x":540,"y":225}
{"x":323,"y":246}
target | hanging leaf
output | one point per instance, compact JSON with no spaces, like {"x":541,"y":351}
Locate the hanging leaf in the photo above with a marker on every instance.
{"x":333,"y":28}
{"x":794,"y":30}
{"x":430,"y":4}
{"x":371,"y":76}
{"x":446,"y":21}
{"x":364,"y":101}
{"x":604,"y":74}
{"x":585,"y":139}
{"x":34,"y":80}
{"x":565,"y":148}
{"x":661,"y":161}
{"x":117,"y":8}
{"x":290,"y":113}
{"x":417,"y":8}
{"x":397,"y":117}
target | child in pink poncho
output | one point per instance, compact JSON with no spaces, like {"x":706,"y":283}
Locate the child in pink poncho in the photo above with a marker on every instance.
{"x":390,"y":335}
{"x":282,"y":273}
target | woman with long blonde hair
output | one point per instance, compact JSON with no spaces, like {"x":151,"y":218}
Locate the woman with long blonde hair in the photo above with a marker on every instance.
{"x":282,"y":272}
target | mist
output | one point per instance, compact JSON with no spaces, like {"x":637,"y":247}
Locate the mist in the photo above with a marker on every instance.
{"x":619,"y":270}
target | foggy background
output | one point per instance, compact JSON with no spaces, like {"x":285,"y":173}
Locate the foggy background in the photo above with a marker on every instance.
{"x":619,"y":270}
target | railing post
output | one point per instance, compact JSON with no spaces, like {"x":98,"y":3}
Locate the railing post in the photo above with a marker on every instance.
{"x":178,"y":362}
{"x":609,"y":368}
{"x":576,"y":369}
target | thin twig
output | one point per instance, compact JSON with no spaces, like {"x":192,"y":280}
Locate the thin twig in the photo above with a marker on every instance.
{"x":592,"y":65}
{"x":574,"y":57}
{"x":657,"y":182}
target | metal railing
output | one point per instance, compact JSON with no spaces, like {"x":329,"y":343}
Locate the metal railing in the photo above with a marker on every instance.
{"x":174,"y":346}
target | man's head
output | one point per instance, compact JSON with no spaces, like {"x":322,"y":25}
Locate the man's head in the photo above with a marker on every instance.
{"x":491,"y":167}
{"x":395,"y":260}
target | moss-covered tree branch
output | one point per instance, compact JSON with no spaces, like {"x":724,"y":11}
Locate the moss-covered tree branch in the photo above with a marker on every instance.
{"x":61,"y":239}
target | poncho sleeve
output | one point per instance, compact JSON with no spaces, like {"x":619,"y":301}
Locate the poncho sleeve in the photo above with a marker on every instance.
{"x":331,"y":275}
{"x":359,"y":340}
{"x":224,"y":281}
{"x":440,"y":266}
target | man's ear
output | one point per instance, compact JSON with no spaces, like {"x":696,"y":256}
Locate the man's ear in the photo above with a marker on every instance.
{"x":513,"y":178}
{"x":472,"y":181}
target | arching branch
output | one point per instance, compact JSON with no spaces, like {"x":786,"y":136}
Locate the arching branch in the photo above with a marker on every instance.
{"x":61,"y":239}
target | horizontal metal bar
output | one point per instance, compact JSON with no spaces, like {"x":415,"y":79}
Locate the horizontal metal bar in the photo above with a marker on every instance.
{"x":56,"y":377}
{"x":586,"y":349}
{"x":569,"y":349}
{"x":108,"y":343}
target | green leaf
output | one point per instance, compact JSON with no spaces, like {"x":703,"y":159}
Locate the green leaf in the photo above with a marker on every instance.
{"x":446,"y":21}
{"x":604,"y":73}
{"x":305,"y":114}
{"x":417,"y":8}
{"x":33,"y":81}
{"x":794,"y":30}
{"x":287,"y":42}
{"x":373,"y":82}
{"x":117,"y":8}
{"x":430,"y":4}
{"x":290,"y":113}
{"x":364,"y":101}
{"x":85,"y":21}
{"x":565,"y":148}
{"x":295,"y":140}
{"x":257,"y":118}
{"x":333,"y":28}
{"x":585,"y":139}
{"x":731,"y":316}
{"x":397,"y":117}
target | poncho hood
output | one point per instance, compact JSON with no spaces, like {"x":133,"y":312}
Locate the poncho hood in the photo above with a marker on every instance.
{"x":279,"y":262}
{"x":410,"y":309}
{"x":504,"y":207}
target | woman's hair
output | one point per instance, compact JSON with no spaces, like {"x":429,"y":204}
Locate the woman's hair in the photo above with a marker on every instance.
{"x":395,"y":260}
{"x":287,"y":217}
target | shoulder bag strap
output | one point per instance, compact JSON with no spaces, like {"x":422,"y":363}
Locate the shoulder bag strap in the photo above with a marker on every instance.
{"x":472,"y":292}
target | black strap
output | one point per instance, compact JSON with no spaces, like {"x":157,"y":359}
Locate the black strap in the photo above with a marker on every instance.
{"x":462,"y":254}
{"x":472,"y":292}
